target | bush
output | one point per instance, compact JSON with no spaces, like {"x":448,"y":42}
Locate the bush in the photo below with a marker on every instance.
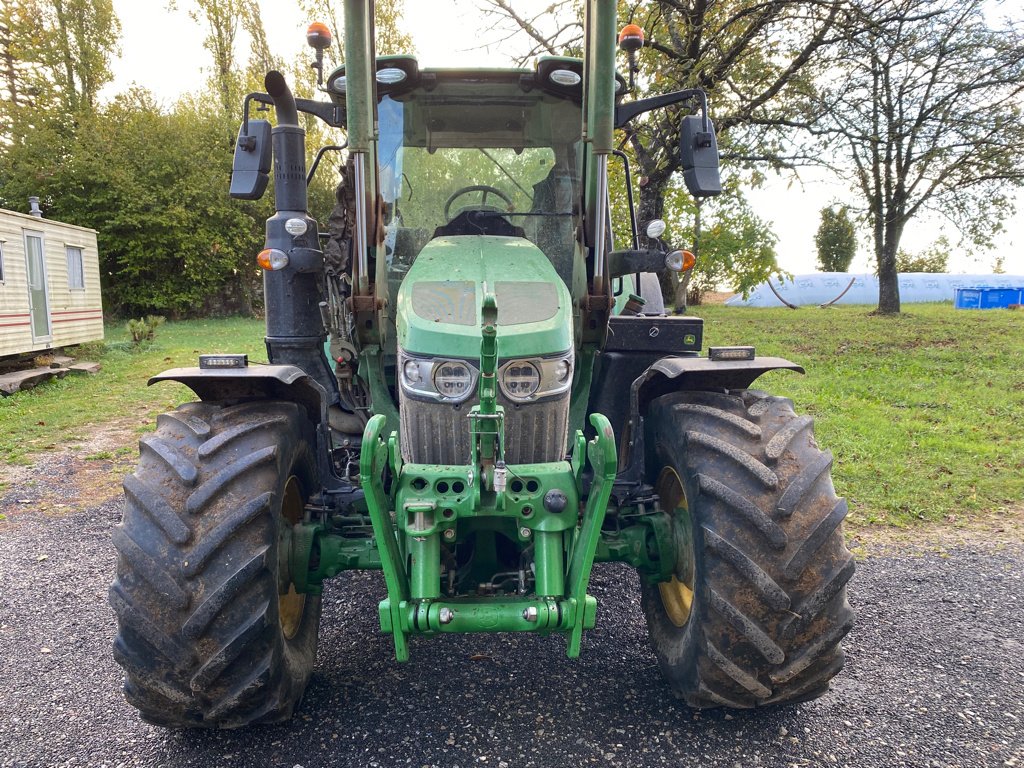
{"x":144,"y":329}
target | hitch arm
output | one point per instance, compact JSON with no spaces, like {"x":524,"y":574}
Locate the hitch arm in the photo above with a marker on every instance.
{"x":372,"y":461}
{"x":603,"y":459}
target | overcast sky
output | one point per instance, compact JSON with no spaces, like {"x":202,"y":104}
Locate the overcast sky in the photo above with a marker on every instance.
{"x":162,"y":50}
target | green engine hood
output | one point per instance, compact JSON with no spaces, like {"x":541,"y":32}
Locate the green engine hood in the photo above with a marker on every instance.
{"x":438,"y":310}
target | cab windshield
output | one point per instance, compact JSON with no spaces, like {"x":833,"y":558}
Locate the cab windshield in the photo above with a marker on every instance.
{"x":478,"y":157}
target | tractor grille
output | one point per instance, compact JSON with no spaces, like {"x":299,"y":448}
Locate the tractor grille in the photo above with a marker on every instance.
{"x":438,"y":433}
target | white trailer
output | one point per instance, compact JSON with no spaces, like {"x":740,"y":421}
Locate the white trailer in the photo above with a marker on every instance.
{"x":49,"y":284}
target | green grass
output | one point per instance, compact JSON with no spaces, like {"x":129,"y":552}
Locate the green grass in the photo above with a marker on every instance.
{"x":923,"y":411}
{"x":68,"y":410}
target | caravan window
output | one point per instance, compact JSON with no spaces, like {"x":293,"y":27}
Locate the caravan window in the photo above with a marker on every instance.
{"x":76,"y":277}
{"x":1,"y":261}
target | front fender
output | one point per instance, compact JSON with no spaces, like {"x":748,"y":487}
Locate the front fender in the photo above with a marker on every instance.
{"x":262,"y":382}
{"x":672,"y":374}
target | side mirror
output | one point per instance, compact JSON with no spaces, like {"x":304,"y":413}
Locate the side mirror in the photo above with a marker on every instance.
{"x":698,"y":151}
{"x":250,"y":170}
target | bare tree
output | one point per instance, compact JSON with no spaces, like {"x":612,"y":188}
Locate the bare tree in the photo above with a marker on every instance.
{"x":926,"y":105}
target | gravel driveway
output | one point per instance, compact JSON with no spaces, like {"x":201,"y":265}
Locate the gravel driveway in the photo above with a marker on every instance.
{"x":934,"y":677}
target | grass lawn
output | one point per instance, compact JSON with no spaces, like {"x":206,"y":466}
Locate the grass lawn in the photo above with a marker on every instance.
{"x":924,"y":412}
{"x":66,"y":411}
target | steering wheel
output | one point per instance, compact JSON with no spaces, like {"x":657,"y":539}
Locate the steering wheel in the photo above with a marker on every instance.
{"x":487,"y":190}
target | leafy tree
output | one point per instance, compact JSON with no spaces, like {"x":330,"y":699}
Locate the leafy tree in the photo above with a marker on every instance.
{"x":754,"y":58}
{"x":21,"y":59}
{"x":153,"y":184}
{"x":836,"y":240}
{"x":49,"y":84}
{"x":222,"y":19}
{"x":733,"y":245}
{"x":86,"y":34}
{"x":64,"y":69}
{"x":934,"y":258}
{"x":926,"y":106}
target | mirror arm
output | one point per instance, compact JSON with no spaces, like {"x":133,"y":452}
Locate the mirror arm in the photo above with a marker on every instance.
{"x":326,"y":111}
{"x":635,"y":260}
{"x":626,"y":112}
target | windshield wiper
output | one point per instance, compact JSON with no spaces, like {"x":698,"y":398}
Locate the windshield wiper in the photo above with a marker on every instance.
{"x":512,"y":178}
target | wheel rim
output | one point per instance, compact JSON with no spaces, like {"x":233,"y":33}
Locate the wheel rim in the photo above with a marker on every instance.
{"x":677,"y":593}
{"x":290,"y":604}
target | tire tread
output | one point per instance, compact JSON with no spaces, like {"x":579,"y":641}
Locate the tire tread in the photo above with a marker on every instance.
{"x":770,"y":605}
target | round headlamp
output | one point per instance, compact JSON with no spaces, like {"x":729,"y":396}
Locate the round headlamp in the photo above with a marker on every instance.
{"x":412,"y":373}
{"x":453,"y":379}
{"x":520,"y":380}
{"x":563,"y":370}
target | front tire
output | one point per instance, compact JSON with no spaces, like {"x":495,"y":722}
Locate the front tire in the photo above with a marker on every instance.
{"x":757,"y":605}
{"x":211,"y":632}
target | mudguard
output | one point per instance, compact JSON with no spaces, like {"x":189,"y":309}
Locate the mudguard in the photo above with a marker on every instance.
{"x":270,"y":382}
{"x":670,"y":374}
{"x":673,"y":373}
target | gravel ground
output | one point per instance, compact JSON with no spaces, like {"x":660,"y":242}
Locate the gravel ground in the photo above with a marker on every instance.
{"x":934,"y":677}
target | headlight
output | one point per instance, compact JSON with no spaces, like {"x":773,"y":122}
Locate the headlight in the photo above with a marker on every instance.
{"x":525,"y":380}
{"x":520,"y":379}
{"x":446,"y":380}
{"x":453,"y":379}
{"x":413,"y":373}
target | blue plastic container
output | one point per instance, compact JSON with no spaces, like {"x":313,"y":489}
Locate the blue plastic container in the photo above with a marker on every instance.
{"x":987,"y":298}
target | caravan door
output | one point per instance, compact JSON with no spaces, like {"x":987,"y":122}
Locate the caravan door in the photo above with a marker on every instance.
{"x":39,"y":305}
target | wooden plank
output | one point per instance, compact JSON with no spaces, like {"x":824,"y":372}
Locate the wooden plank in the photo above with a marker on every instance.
{"x":19,"y":380}
{"x":85,"y":367}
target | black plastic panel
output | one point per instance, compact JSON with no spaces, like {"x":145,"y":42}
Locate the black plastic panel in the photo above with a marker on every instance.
{"x":664,"y":335}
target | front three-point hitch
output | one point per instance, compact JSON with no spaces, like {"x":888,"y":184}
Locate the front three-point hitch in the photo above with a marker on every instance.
{"x":422,"y":513}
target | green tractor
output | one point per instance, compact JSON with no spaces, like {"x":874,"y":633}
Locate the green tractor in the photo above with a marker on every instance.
{"x":471,"y":389}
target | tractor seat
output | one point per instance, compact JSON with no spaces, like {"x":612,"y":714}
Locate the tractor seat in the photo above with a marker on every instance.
{"x":476,"y":222}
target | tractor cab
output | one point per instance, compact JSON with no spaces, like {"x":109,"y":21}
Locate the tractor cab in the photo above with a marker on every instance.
{"x":478,"y":153}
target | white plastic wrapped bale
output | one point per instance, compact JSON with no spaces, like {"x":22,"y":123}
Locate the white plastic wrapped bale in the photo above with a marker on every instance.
{"x":823,"y":287}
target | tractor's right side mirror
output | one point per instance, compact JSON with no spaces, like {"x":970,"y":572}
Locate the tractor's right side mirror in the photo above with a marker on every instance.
{"x":250,"y":170}
{"x":698,"y":151}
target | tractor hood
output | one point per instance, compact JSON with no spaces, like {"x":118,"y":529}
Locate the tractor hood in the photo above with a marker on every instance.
{"x":439,"y":301}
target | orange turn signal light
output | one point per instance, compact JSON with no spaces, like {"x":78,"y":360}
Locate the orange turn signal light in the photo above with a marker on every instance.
{"x":688,"y":260}
{"x":272,"y":259}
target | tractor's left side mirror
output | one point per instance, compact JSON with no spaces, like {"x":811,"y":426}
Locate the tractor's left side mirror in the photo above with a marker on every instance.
{"x":250,"y":170}
{"x":698,"y":151}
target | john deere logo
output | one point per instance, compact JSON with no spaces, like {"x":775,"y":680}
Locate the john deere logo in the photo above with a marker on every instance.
{"x":689,"y":339}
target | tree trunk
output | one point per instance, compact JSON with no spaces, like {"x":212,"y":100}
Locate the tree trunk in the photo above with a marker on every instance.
{"x":652,"y":206}
{"x":888,"y":278}
{"x":683,"y":287}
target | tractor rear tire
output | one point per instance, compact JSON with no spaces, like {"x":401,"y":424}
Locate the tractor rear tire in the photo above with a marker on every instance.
{"x":211,"y":632}
{"x":757,"y":605}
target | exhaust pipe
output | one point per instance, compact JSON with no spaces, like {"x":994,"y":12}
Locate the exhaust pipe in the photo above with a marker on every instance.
{"x":289,"y":148}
